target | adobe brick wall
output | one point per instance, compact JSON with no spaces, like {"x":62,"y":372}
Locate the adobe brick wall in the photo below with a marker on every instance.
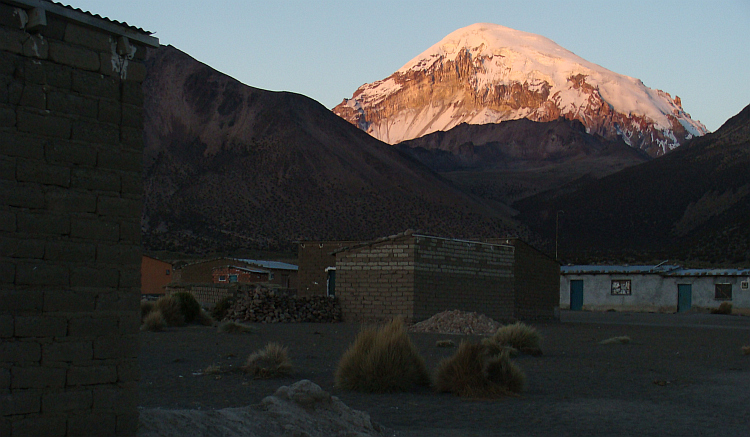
{"x":376,"y":282}
{"x":537,"y":283}
{"x":70,"y":179}
{"x":312,"y":259}
{"x":468,"y":276}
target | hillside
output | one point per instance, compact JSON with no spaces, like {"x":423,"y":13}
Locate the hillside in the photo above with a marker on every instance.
{"x":692,"y":204}
{"x":229,"y":166}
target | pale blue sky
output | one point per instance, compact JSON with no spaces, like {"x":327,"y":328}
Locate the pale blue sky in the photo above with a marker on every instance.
{"x":698,"y":50}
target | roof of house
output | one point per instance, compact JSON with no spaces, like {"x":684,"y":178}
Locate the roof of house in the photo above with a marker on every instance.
{"x":274,"y":265}
{"x":86,"y":17}
{"x":244,"y":269}
{"x":411,"y":233}
{"x":660,"y":269}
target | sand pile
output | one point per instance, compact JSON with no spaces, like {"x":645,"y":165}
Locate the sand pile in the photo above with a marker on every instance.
{"x":457,"y":322}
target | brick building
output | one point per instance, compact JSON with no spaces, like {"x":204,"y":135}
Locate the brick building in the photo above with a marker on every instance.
{"x":277,"y":273}
{"x":315,"y":260}
{"x":230,"y":274}
{"x":155,"y":275}
{"x":71,"y":153}
{"x":416,"y":276}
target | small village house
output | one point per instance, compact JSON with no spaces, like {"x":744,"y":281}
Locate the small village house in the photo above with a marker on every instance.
{"x":280,"y":274}
{"x":660,"y":288}
{"x":155,"y":275}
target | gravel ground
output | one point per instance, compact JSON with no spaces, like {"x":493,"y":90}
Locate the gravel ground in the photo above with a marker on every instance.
{"x":681,"y":375}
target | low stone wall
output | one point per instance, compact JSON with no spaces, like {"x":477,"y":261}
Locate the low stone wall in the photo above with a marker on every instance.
{"x":263,"y":305}
{"x":207,"y":295}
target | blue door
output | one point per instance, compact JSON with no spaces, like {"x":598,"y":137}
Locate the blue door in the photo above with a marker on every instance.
{"x":576,"y":295}
{"x":684,"y":297}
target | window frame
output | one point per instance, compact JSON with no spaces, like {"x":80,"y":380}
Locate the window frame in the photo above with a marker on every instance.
{"x":620,"y":282}
{"x":725,"y":285}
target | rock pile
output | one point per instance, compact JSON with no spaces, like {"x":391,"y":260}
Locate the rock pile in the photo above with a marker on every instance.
{"x":457,"y":322}
{"x":263,"y":305}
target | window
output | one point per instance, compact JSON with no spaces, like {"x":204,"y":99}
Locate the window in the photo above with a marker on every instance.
{"x":270,"y":276}
{"x":723,"y":292}
{"x":745,"y":285}
{"x":167,"y":272}
{"x":222,"y":278}
{"x":620,"y":287}
{"x":232,"y":278}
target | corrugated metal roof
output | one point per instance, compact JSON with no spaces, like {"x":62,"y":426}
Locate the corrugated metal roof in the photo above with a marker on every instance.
{"x":276,"y":265}
{"x":663,"y":270}
{"x":90,"y":18}
{"x":244,"y":269}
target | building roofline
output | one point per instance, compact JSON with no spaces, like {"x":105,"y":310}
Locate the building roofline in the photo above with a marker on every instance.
{"x":411,"y":233}
{"x":88,"y":18}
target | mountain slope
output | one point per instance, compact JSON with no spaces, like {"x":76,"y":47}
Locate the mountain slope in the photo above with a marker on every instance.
{"x":486,"y":73}
{"x":228,"y":166}
{"x":692,"y":204}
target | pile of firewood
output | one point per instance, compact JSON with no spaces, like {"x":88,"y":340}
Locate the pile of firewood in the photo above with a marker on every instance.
{"x":263,"y":305}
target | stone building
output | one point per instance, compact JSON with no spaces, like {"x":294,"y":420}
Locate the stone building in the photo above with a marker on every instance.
{"x":416,"y":276}
{"x":71,"y":149}
{"x":155,"y":275}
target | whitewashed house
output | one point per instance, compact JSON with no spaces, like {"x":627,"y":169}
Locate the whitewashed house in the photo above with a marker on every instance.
{"x":660,"y":288}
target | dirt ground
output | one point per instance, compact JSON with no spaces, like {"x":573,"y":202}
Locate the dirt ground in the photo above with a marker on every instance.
{"x":682,"y":374}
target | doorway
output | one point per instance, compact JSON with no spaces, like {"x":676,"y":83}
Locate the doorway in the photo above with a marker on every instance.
{"x":576,"y":295}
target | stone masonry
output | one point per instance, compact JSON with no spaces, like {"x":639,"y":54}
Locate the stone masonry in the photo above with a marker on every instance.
{"x":71,"y":152}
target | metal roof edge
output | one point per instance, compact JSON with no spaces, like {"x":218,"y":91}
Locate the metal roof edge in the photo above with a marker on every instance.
{"x":90,"y":19}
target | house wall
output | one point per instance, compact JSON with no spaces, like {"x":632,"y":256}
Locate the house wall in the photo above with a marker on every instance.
{"x":312,"y":258}
{"x":653,"y":292}
{"x":376,"y":282}
{"x":649,"y":292}
{"x":155,"y":275}
{"x":536,"y":281}
{"x":200,"y":272}
{"x":242,"y":276}
{"x":461,"y":275}
{"x":70,"y":183}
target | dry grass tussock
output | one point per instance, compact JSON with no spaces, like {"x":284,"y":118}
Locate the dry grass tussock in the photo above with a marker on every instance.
{"x":235,"y":328}
{"x":382,"y":360}
{"x":146,"y":307}
{"x":479,"y":371}
{"x":724,"y":308}
{"x":746,"y":350}
{"x":623,"y":339}
{"x":204,"y":318}
{"x":154,"y":321}
{"x":519,"y":336}
{"x":169,"y":307}
{"x":270,"y":362}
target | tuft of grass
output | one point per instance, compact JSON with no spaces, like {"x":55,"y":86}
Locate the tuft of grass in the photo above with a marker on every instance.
{"x":169,"y":307}
{"x":235,"y":328}
{"x":445,"y":343}
{"x":382,"y":360}
{"x":146,"y":307}
{"x":746,"y":350}
{"x":519,"y":336}
{"x":479,"y":371}
{"x":219,"y":311}
{"x":724,"y":308}
{"x":213,"y":369}
{"x":189,"y":306}
{"x":623,"y":339}
{"x":204,"y":318}
{"x":269,"y":362}
{"x":154,"y":321}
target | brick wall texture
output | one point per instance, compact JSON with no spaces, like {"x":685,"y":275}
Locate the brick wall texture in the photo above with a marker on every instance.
{"x":313,"y":257}
{"x":416,"y":277}
{"x":70,"y":180}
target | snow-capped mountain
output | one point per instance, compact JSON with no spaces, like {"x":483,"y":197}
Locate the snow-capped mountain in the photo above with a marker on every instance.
{"x":487,"y":73}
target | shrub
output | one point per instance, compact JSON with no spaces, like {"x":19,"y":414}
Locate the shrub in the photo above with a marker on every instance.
{"x":624,"y":339}
{"x":445,"y":343}
{"x":382,"y":360}
{"x":213,"y":369}
{"x":520,"y":336}
{"x":169,"y":307}
{"x":724,"y":308}
{"x":235,"y":328}
{"x":219,"y":311}
{"x":478,"y":371}
{"x":189,"y":307}
{"x":204,"y":318}
{"x":269,"y":362}
{"x":146,"y":307}
{"x":154,"y":321}
{"x":746,"y":350}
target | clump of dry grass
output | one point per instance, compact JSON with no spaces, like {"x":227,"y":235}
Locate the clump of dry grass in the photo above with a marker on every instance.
{"x":204,"y":318}
{"x":270,"y":362}
{"x":382,"y":360}
{"x":746,"y":350}
{"x":479,"y":371}
{"x":445,"y":343}
{"x":213,"y":369}
{"x":235,"y":328}
{"x":154,"y":321}
{"x":519,"y":336}
{"x":724,"y":308}
{"x":169,"y":307}
{"x":146,"y":307}
{"x":623,"y":339}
